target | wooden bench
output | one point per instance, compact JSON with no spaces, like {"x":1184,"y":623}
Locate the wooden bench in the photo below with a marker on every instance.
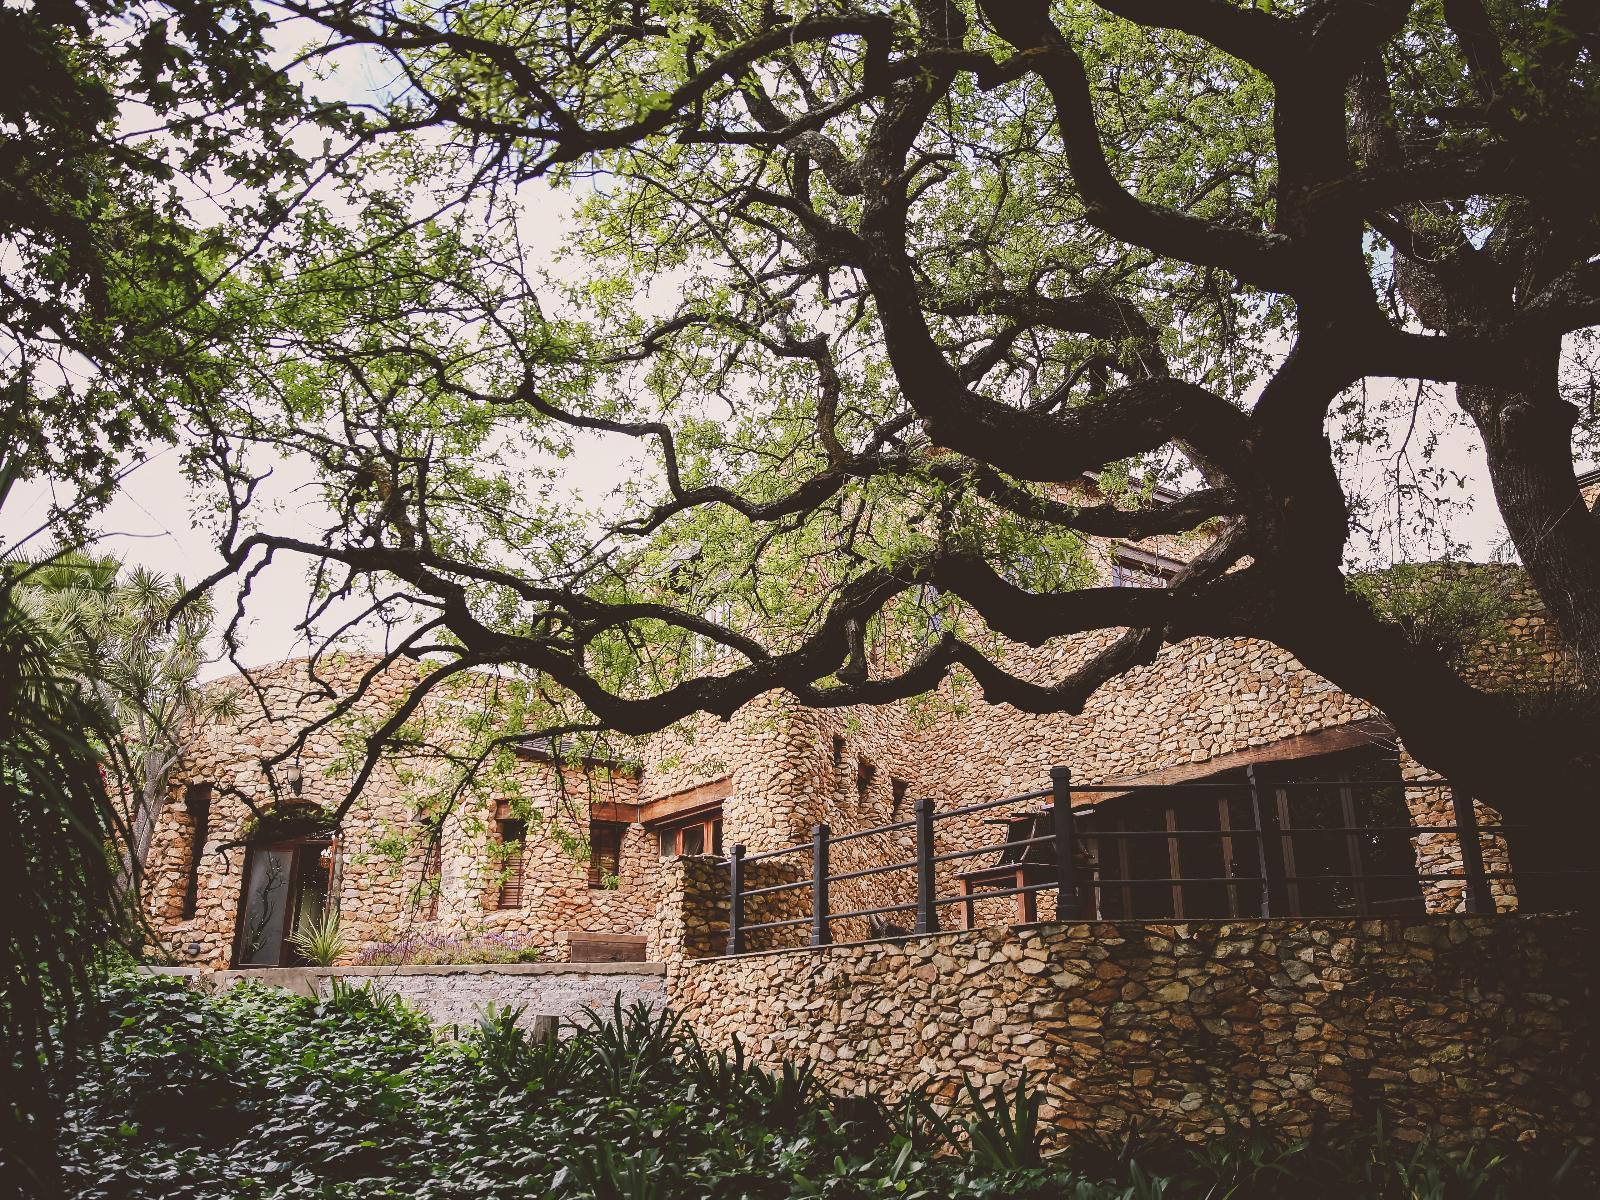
{"x":606,"y":947}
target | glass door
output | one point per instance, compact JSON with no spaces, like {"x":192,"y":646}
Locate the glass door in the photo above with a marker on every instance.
{"x":285,"y":885}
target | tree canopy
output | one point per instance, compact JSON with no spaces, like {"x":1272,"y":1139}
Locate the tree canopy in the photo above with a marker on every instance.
{"x":850,"y":290}
{"x":142,"y":147}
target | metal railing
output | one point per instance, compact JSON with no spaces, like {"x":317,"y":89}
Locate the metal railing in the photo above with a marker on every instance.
{"x":1058,"y":863}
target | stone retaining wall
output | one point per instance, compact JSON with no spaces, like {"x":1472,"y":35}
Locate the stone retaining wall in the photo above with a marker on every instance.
{"x":1456,"y":1027}
{"x":460,"y":994}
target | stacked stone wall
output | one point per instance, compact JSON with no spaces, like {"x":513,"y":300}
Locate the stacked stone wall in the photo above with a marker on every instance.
{"x":789,"y":768}
{"x":692,"y":915}
{"x":382,"y":845}
{"x":1433,"y":808}
{"x":1456,"y":1028}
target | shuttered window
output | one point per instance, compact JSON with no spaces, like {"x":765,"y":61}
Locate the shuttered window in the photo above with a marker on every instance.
{"x":432,"y":873}
{"x":605,"y":851}
{"x":514,"y":837}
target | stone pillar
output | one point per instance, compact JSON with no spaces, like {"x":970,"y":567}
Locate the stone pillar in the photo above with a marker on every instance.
{"x":1440,"y":853}
{"x":692,"y":916}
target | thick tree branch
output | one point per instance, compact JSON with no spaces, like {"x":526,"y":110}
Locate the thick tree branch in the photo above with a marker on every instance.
{"x":1257,"y":259}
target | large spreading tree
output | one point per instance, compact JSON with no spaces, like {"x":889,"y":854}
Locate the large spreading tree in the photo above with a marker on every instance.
{"x":849,"y":289}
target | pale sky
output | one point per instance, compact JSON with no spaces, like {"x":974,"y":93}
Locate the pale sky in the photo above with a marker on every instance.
{"x":151,"y":520}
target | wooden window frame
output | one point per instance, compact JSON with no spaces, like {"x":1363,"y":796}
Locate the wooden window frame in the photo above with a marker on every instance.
{"x":512,"y":830}
{"x":1132,"y":567}
{"x":611,"y":833}
{"x":710,"y":824}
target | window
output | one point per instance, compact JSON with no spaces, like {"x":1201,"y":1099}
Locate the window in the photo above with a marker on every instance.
{"x":838,"y":750}
{"x":1140,"y":569}
{"x":605,"y":852}
{"x":197,"y":807}
{"x":432,"y":871}
{"x":514,"y":837}
{"x":700,"y":835}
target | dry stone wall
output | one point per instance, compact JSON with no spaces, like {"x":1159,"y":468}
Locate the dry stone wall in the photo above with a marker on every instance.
{"x":1457,"y":1028}
{"x":1438,"y":853}
{"x":789,"y":768}
{"x":691,"y":919}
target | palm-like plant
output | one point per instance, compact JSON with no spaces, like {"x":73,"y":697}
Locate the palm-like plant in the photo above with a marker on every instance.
{"x":59,"y":890}
{"x":320,"y":940}
{"x":142,"y":660}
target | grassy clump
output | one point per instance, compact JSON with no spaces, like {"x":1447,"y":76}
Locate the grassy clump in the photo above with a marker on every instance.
{"x":257,"y":1093}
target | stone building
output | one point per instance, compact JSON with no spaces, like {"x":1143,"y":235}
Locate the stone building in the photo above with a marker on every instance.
{"x":568,"y":858}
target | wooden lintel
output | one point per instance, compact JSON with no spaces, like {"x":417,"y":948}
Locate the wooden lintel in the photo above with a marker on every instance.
{"x":685,"y":802}
{"x":1368,"y":732}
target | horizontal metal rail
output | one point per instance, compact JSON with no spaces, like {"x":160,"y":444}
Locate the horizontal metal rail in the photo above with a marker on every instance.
{"x":987,"y":805}
{"x":766,"y":854}
{"x":876,"y":829}
{"x":1062,"y":830}
{"x":776,"y":887}
{"x":776,"y":924}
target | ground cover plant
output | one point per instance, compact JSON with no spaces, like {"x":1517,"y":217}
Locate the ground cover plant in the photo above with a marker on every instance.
{"x":257,"y":1093}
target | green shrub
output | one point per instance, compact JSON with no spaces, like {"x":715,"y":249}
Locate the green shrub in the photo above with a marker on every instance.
{"x":258,"y":1093}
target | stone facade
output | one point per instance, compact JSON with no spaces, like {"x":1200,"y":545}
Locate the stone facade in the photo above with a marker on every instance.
{"x":777,"y":768}
{"x":381,"y":876}
{"x":1457,"y":1028}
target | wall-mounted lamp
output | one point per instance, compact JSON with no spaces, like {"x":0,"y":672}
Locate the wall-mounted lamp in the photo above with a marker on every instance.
{"x":293,"y":776}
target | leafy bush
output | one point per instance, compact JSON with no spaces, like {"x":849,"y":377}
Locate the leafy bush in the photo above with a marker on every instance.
{"x":430,"y":949}
{"x":257,"y":1093}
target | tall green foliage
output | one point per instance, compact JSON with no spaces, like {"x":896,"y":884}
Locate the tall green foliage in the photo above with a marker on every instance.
{"x":117,"y":118}
{"x":59,"y":885}
{"x":119,"y":633}
{"x":257,"y":1093}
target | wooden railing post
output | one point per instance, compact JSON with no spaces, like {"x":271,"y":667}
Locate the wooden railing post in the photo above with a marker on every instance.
{"x":1061,"y":825}
{"x":821,"y":926}
{"x":927,"y":911}
{"x":1478,"y":898}
{"x":736,"y":900}
{"x":1261,"y":839}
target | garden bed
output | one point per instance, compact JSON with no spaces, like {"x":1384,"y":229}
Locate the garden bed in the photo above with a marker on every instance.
{"x":254,"y":1092}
